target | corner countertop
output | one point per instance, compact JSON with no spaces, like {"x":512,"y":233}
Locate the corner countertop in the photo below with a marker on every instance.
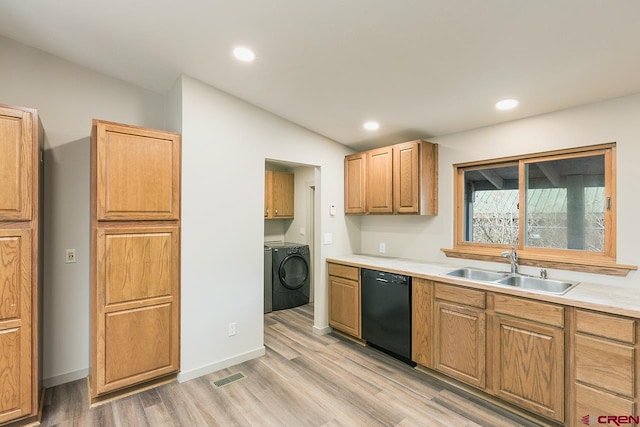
{"x":606,"y":298}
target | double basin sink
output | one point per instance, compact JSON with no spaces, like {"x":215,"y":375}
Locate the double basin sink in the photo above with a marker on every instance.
{"x":514,"y":280}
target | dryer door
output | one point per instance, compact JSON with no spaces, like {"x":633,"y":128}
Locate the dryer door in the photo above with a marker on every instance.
{"x":293,"y":271}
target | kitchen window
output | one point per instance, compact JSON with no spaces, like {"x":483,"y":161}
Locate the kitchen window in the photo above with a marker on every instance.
{"x":556,"y":208}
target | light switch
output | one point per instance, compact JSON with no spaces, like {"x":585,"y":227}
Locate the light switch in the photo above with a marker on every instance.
{"x":328,"y":238}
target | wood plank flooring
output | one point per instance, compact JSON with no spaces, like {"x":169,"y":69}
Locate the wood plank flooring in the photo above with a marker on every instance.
{"x":303,"y":380}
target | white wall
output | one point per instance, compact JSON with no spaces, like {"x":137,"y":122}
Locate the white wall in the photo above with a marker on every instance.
{"x":225,"y":144}
{"x":613,"y":120}
{"x":67,"y":97}
{"x":304,"y":177}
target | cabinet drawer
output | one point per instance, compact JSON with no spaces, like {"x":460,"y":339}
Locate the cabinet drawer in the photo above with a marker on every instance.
{"x":549,"y":314}
{"x":605,"y":364}
{"x":594,"y":402}
{"x":603,"y":325}
{"x":460,"y":295}
{"x":352,"y":273}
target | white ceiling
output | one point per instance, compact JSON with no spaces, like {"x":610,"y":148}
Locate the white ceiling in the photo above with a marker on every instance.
{"x":422,"y":68}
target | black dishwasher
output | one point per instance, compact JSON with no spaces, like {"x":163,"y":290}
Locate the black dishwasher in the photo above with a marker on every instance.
{"x":386,"y":312}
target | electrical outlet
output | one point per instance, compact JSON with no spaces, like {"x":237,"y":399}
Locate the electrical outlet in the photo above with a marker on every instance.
{"x":382,"y":248}
{"x":70,"y":256}
{"x":232,"y":329}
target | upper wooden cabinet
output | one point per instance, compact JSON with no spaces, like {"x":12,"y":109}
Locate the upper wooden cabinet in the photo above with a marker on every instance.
{"x":380,"y":180}
{"x":137,"y":172}
{"x":398,"y":179}
{"x":16,"y":163}
{"x":21,"y":257}
{"x":355,"y":183}
{"x":406,"y":174}
{"x":278,"y":194}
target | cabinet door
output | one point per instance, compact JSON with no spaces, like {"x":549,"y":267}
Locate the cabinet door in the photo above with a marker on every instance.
{"x":344,"y":305}
{"x":136,"y":315}
{"x":354,"y":183}
{"x":460,"y":340}
{"x":406,"y":171}
{"x":16,"y":164}
{"x":268,"y":196}
{"x":282,"y":194}
{"x":137,"y":172}
{"x":380,"y":180}
{"x":421,"y":324}
{"x":528,"y":365}
{"x":16,"y":363}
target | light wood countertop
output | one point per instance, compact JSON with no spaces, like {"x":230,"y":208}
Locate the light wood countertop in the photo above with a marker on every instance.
{"x":606,"y":298}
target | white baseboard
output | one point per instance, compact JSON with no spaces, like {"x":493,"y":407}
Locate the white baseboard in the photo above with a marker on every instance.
{"x":65,"y":378}
{"x":182,"y":376}
{"x":322,"y":331}
{"x":235,"y":360}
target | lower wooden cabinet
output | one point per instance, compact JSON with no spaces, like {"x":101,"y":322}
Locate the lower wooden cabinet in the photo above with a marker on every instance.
{"x":16,"y":332}
{"x":460,"y":333}
{"x":136,"y":317}
{"x":509,"y":347}
{"x":605,"y":363}
{"x":528,"y":365}
{"x":344,"y":299}
{"x":558,"y":362}
{"x":421,"y":321}
{"x":528,"y":354}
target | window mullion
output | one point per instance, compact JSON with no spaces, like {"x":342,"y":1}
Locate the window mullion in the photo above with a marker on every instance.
{"x":610,"y":203}
{"x":522,"y":195}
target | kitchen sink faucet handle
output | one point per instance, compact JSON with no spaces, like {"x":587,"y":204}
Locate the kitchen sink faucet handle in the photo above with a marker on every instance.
{"x":512,"y":255}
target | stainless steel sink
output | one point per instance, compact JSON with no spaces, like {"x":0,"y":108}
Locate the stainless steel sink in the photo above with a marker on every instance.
{"x":535,"y":284}
{"x":516,"y":280}
{"x":476,"y":274}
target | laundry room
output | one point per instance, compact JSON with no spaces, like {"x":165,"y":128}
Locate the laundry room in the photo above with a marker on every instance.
{"x":289,"y":217}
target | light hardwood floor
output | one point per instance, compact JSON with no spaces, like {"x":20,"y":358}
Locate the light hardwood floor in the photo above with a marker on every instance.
{"x":303,"y":380}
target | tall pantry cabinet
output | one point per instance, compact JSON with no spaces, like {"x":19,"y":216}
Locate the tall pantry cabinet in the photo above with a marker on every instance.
{"x":135,"y":257}
{"x":21,"y":139}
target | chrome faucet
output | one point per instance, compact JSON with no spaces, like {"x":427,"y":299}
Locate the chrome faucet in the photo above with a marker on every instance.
{"x":513,"y":259}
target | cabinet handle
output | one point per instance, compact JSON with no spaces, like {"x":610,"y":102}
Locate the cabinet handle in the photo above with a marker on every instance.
{"x":267,"y":214}
{"x":276,"y":211}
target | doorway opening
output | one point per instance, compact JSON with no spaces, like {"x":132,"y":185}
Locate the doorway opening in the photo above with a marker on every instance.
{"x":290,"y":221}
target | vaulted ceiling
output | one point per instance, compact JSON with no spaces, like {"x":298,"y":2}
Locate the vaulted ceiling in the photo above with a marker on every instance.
{"x":421,"y":68}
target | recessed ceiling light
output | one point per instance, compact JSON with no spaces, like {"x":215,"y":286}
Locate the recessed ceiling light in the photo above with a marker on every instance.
{"x":507,"y":104}
{"x":244,"y":54}
{"x":371,"y":125}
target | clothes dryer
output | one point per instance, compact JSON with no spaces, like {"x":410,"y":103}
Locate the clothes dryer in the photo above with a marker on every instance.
{"x":290,"y":275}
